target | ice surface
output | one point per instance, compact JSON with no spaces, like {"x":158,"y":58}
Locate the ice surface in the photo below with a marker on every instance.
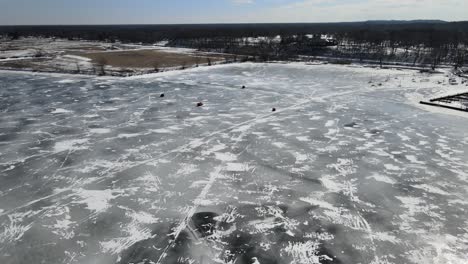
{"x":102,"y":170}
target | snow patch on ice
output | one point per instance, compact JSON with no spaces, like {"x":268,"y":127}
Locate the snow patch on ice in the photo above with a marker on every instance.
{"x":13,"y":232}
{"x":431,"y":189}
{"x":305,"y":252}
{"x":95,"y":200}
{"x":134,"y":233}
{"x":65,"y":81}
{"x":61,"y":111}
{"x":71,"y":145}
{"x":237,"y":167}
{"x":414,"y":159}
{"x":382,"y":178}
{"x":225,"y":156}
{"x":392,"y":167}
{"x":100,"y":130}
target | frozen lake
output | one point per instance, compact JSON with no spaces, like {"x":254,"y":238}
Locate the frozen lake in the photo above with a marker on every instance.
{"x":347,"y":170}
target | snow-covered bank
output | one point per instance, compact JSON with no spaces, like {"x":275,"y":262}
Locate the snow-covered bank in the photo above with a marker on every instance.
{"x":99,"y":58}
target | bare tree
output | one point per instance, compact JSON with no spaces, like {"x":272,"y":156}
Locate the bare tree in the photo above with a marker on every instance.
{"x":381,"y":54}
{"x":435,"y":56}
{"x":459,"y":57}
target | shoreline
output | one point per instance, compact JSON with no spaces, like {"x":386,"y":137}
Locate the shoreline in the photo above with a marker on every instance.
{"x":66,"y":73}
{"x":315,"y":61}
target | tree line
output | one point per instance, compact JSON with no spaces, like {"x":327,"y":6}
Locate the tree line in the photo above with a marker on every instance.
{"x":415,"y":42}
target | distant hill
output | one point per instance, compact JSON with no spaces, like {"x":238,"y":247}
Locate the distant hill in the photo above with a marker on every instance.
{"x":399,"y":22}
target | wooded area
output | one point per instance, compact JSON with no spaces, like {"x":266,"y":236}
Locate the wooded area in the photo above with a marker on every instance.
{"x":427,"y":43}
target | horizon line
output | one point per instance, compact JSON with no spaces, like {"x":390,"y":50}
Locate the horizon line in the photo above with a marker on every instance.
{"x":243,"y":23}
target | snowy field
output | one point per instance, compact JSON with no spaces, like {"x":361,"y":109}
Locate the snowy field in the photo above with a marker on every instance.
{"x":84,"y":57}
{"x":349,"y":169}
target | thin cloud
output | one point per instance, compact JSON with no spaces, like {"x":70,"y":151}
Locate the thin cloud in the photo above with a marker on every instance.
{"x":242,"y":2}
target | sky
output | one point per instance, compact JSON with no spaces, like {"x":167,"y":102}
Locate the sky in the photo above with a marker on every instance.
{"x":52,"y":12}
